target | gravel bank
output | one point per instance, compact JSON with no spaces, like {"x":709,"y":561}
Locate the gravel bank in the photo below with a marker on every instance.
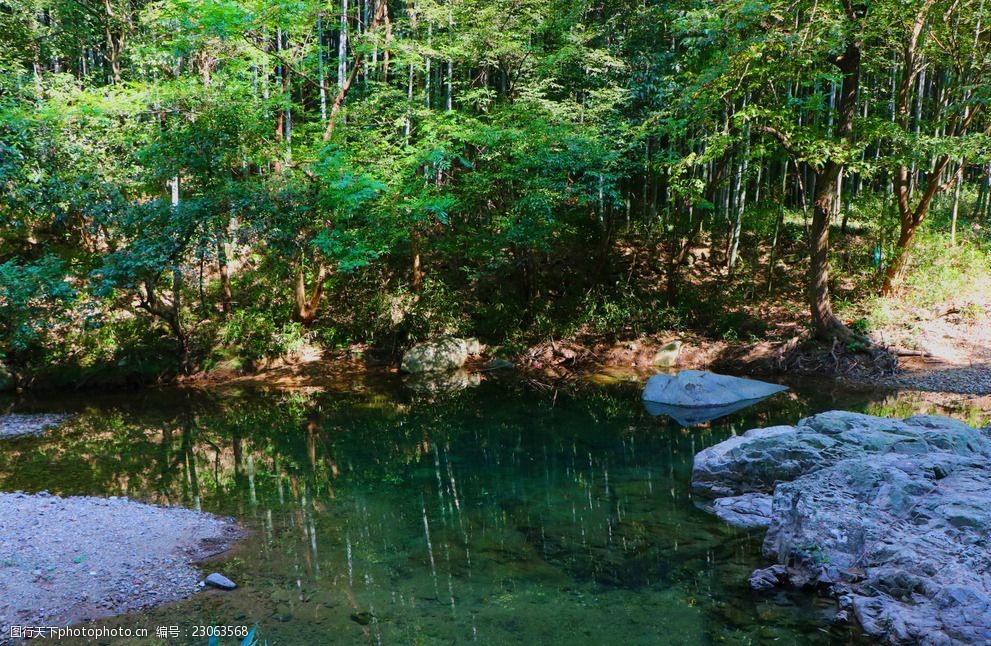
{"x":64,"y":560}
{"x":974,"y":380}
{"x":16,"y":425}
{"x":956,"y":353}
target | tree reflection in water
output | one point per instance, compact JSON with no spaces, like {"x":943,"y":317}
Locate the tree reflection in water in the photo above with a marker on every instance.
{"x":497,"y":513}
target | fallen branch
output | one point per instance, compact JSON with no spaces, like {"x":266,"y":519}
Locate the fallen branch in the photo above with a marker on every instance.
{"x":902,"y":352}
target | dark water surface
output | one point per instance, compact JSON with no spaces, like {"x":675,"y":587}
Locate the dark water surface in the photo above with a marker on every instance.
{"x":499,"y":514}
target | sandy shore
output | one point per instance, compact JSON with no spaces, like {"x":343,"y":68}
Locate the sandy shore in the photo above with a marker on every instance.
{"x":65,"y":560}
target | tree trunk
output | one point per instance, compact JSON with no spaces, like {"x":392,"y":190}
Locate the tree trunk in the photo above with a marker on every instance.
{"x":904,"y":180}
{"x":280,"y":116}
{"x":307,"y":305}
{"x":824,"y":323}
{"x":681,"y":248}
{"x":956,"y":204}
{"x":909,"y":221}
{"x":417,"y":271}
{"x":896,"y":270}
{"x":114,"y":32}
{"x":226,"y":295}
{"x":342,"y":47}
{"x":321,"y":73}
{"x":740,"y":203}
{"x":381,"y":14}
{"x":778,"y":225}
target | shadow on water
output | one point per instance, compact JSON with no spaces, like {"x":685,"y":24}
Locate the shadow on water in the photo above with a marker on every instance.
{"x":498,"y":513}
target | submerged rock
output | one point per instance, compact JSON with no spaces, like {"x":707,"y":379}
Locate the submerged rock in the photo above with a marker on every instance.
{"x":890,"y":516}
{"x":362,"y":618}
{"x":439,"y":382}
{"x":692,"y":416}
{"x":694,"y":396}
{"x":437,"y":356}
{"x":748,"y":510}
{"x":767,"y":579}
{"x":219,"y":581}
{"x":500,"y":364}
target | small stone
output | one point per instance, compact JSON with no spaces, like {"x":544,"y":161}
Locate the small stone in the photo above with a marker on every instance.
{"x":219,"y":581}
{"x":363,"y":618}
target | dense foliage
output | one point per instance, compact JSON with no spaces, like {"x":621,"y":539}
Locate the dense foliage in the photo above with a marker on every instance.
{"x":204,"y":180}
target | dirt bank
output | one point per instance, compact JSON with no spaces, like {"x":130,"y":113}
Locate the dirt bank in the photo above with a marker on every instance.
{"x":65,"y":560}
{"x":561,"y":361}
{"x":947,"y":350}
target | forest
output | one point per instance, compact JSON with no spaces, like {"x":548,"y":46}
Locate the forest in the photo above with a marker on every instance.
{"x":190,"y":182}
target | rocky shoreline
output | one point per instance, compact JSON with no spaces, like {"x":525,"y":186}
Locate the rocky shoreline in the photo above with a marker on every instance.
{"x":572,"y":360}
{"x":67,"y":560}
{"x":890,"y":517}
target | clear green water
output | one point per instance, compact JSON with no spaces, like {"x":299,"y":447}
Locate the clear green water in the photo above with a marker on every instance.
{"x":500,"y":514}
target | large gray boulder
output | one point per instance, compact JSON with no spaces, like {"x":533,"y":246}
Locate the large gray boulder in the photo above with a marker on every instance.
{"x":441,"y":355}
{"x":890,"y":516}
{"x":763,"y":457}
{"x":694,"y":396}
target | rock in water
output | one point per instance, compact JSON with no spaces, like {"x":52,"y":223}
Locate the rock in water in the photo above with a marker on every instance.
{"x":694,"y":396}
{"x":700,"y":389}
{"x":362,"y":618}
{"x":439,"y":382}
{"x":667,"y":356}
{"x":500,"y":364}
{"x":768,"y":578}
{"x":691,"y":416}
{"x":220,"y":582}
{"x":436,"y":356}
{"x":891,"y":516}
{"x":749,"y":510}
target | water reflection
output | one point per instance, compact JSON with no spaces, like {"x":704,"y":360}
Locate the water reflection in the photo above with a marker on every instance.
{"x":497,"y":514}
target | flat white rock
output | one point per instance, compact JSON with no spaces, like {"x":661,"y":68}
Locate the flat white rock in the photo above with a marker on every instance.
{"x":700,"y":389}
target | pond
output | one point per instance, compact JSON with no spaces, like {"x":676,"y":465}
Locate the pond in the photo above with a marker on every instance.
{"x":504,"y":513}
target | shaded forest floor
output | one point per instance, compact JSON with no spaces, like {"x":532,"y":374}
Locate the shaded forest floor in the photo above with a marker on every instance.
{"x":934,"y":335}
